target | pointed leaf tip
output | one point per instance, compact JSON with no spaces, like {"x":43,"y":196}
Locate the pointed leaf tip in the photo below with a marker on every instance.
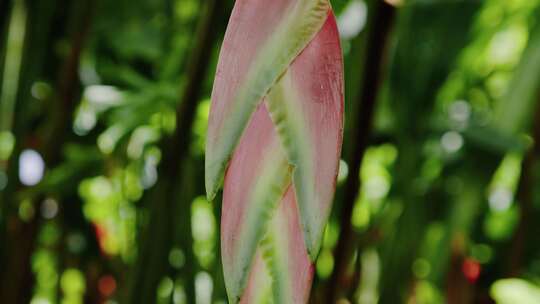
{"x":212,"y":182}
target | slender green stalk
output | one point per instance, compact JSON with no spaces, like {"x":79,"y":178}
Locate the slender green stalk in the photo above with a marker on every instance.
{"x":347,"y":242}
{"x":156,"y":239}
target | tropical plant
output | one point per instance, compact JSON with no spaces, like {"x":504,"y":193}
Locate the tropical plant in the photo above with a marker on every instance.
{"x":274,"y":138}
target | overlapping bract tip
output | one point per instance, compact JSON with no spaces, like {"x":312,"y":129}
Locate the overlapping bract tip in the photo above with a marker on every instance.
{"x":274,"y":139}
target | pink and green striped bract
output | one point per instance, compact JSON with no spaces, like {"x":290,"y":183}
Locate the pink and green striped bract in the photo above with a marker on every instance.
{"x":274,"y":140}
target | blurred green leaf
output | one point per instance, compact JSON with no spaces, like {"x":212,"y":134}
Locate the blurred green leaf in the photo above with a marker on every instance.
{"x":511,"y":291}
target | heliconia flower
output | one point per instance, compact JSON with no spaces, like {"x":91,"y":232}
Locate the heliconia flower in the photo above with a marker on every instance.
{"x":274,"y":139}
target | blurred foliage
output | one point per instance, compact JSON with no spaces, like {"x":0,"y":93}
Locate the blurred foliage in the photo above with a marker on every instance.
{"x":90,"y":95}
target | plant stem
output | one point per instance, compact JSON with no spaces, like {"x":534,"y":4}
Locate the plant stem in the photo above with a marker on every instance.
{"x":347,"y":242}
{"x":157,"y":237}
{"x":525,"y":198}
{"x":24,"y":234}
